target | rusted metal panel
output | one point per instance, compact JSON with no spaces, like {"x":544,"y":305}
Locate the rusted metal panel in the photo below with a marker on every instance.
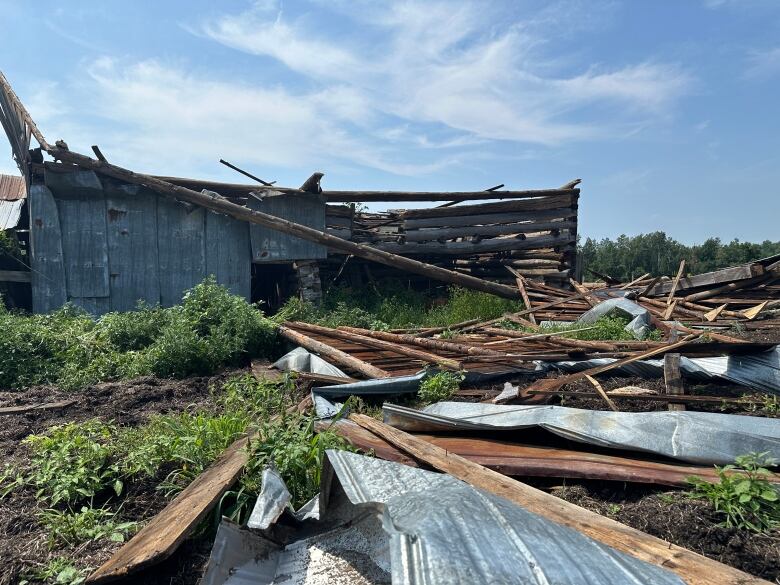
{"x":12,"y":188}
{"x":131,"y":214}
{"x":269,"y":245}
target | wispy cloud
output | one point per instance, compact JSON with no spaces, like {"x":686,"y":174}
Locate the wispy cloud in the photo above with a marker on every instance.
{"x":763,"y":64}
{"x":450,"y":63}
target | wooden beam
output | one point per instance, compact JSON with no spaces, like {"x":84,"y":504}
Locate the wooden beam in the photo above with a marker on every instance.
{"x":633,"y":282}
{"x":381,"y":344}
{"x":675,"y":282}
{"x":753,"y":312}
{"x":693,"y":568}
{"x":712,"y":315}
{"x":673,"y":379}
{"x":333,"y":354}
{"x":586,"y":292}
{"x":523,"y":292}
{"x":601,"y":392}
{"x":710,"y":278}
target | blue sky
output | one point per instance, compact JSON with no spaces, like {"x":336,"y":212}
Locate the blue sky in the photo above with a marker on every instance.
{"x":667,"y":109}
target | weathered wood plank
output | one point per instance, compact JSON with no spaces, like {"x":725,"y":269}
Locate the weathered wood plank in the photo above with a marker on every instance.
{"x":486,"y":230}
{"x":48,"y":269}
{"x":228,"y":253}
{"x":479,"y":218}
{"x":459,"y":248}
{"x":270,"y":245}
{"x":709,"y":278}
{"x":695,"y":569}
{"x":132,"y":245}
{"x":181,"y":236}
{"x":548,"y":202}
{"x":673,"y":379}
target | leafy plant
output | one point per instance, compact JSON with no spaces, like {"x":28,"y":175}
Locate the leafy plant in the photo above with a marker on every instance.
{"x":743,"y":494}
{"x":60,"y":571}
{"x":72,"y":528}
{"x":71,"y":463}
{"x":440,"y":386}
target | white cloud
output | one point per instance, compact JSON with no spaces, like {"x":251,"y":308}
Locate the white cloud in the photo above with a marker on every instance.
{"x":763,"y":64}
{"x":454,"y":64}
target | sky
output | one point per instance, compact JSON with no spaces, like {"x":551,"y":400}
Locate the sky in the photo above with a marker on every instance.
{"x":666,"y":109}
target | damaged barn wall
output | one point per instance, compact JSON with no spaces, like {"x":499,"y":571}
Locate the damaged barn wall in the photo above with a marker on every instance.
{"x":104,"y":245}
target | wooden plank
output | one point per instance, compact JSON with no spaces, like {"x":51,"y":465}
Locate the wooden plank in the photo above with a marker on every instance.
{"x":270,"y":245}
{"x":132,"y":245}
{"x":753,"y":312}
{"x":484,"y":218}
{"x":540,"y":203}
{"x":635,"y":281}
{"x":15,"y":276}
{"x":693,"y":568}
{"x":710,"y":278}
{"x":523,"y":292}
{"x":586,"y":292}
{"x":424,"y":235}
{"x":228,"y":253}
{"x":466,"y":248}
{"x":24,"y":408}
{"x":181,"y":246}
{"x":158,"y":539}
{"x":675,"y":282}
{"x":601,"y":392}
{"x":673,"y":379}
{"x":713,"y":314}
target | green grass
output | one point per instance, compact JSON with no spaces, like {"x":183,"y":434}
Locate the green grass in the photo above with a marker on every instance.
{"x":59,"y":570}
{"x":69,"y":528}
{"x":604,"y":329}
{"x":398,"y":308}
{"x":743,"y":495}
{"x":440,"y":386}
{"x":210,"y":329}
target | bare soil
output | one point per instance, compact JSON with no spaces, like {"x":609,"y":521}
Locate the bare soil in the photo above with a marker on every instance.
{"x":23,"y":542}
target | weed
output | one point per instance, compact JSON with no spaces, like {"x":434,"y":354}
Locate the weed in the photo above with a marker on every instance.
{"x":356,"y":404}
{"x":613,"y":509}
{"x":72,"y":528}
{"x":606,"y":329}
{"x":72,"y":463}
{"x":743,"y":494}
{"x":59,"y":571}
{"x":440,"y":386}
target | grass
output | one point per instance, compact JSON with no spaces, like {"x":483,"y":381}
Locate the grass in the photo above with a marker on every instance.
{"x":210,"y":329}
{"x":398,"y":308}
{"x":70,"y":528}
{"x":60,"y":571}
{"x":743,"y":495}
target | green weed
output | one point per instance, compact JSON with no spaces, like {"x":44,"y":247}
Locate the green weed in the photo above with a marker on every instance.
{"x":71,"y":528}
{"x":440,"y":386}
{"x":59,"y":571}
{"x":743,"y":494}
{"x":604,"y":329}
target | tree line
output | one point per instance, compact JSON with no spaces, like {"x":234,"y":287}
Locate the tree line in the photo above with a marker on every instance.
{"x":625,"y":257}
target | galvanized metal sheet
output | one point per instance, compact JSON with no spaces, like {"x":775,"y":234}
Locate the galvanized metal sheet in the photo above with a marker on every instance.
{"x":10,"y":211}
{"x":46,"y":259}
{"x":131,"y":214}
{"x":759,"y":371}
{"x":269,"y":245}
{"x":420,"y":527}
{"x":12,"y":188}
{"x":181,"y":234}
{"x":698,"y":437}
{"x":228,"y":253}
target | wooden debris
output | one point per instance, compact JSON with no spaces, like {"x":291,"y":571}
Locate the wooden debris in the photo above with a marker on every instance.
{"x":601,"y":392}
{"x":673,"y":379}
{"x":675,"y":282}
{"x":24,"y":408}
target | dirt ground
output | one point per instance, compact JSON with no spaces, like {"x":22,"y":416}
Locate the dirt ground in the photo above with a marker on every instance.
{"x":22,"y":540}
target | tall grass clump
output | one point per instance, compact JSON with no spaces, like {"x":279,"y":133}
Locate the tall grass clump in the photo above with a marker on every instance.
{"x":211,"y":328}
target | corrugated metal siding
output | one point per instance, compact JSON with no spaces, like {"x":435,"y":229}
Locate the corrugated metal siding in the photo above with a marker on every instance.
{"x":228,"y":252}
{"x":9,"y":213}
{"x":12,"y":187}
{"x":48,"y":274}
{"x":181,"y":238}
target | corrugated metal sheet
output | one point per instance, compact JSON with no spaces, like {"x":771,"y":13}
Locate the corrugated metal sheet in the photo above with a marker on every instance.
{"x":698,"y":437}
{"x":432,"y":528}
{"x":12,"y":188}
{"x":759,"y":371}
{"x":9,"y":213}
{"x":269,"y":245}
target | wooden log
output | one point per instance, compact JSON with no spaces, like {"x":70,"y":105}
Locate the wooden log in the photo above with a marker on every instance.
{"x":523,"y":292}
{"x":222,"y":205}
{"x":554,"y":201}
{"x":587,"y":295}
{"x":25,"y":408}
{"x":693,"y":568}
{"x":464,"y":248}
{"x":484,"y":218}
{"x":435,"y":344}
{"x":331,"y":353}
{"x":423,"y":356}
{"x":710,"y":278}
{"x":732,"y":286}
{"x":424,"y":235}
{"x":673,"y":379}
{"x":675,"y":282}
{"x":634,"y":282}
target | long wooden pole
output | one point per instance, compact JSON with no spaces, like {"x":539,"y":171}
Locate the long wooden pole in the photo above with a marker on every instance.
{"x":694,"y":569}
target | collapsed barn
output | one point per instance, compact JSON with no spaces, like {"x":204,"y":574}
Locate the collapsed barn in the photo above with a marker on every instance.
{"x":104,"y":240}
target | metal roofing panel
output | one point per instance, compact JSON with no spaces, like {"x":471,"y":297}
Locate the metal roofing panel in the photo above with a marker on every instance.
{"x":9,"y":213}
{"x":698,"y":437}
{"x":12,"y":187}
